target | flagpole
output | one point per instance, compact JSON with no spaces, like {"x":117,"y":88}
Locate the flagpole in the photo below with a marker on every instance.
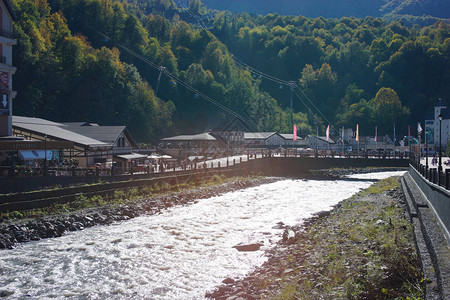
{"x":343,"y":141}
{"x":394,"y":138}
{"x":357,"y":136}
{"x":358,"y":148}
{"x":409,"y":139}
{"x":376,"y":139}
{"x":419,"y":133}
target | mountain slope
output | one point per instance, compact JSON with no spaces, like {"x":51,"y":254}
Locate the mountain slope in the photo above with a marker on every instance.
{"x":435,"y":8}
{"x":336,"y":8}
{"x":308,"y":8}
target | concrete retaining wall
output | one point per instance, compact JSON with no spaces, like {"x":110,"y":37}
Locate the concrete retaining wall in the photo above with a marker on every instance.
{"x":429,"y":231}
{"x":438,"y":200}
{"x":45,"y":198}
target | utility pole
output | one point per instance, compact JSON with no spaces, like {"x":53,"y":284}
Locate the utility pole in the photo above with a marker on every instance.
{"x":419,"y":133}
{"x":292,"y":86}
{"x":317,"y":135}
{"x":161,"y":70}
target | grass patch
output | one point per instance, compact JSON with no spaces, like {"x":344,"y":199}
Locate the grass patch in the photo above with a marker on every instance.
{"x":381,"y":186}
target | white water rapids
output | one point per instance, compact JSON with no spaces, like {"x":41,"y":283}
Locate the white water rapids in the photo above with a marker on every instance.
{"x":179,"y":254}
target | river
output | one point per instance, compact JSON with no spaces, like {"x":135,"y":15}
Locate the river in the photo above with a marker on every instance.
{"x":179,"y":254}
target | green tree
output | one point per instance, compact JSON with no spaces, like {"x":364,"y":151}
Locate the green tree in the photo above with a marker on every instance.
{"x":388,"y":108}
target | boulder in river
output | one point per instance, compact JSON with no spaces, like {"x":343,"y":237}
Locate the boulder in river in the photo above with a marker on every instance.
{"x":249,"y":247}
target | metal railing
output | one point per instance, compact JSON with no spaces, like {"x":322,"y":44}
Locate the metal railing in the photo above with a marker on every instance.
{"x":432,"y":174}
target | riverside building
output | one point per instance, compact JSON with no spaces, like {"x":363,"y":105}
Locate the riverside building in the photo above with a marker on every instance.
{"x":433,"y":124}
{"x":7,"y":69}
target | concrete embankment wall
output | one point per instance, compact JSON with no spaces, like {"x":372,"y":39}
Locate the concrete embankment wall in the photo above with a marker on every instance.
{"x":428,"y":207}
{"x":45,"y":198}
{"x":32,"y":183}
{"x":25,"y":184}
{"x":438,"y":200}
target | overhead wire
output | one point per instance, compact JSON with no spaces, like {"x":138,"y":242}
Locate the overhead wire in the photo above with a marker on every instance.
{"x":261,"y":74}
{"x":179,"y":81}
{"x":192,"y":14}
{"x":235,"y":59}
{"x":312,"y":103}
{"x":239,"y":63}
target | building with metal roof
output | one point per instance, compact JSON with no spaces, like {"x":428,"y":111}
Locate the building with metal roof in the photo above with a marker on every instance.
{"x":263,"y":140}
{"x":226,"y":143}
{"x":118,"y":136}
{"x":85,"y":150}
{"x":290,"y":143}
{"x":89,"y":142}
{"x":37,"y":128}
{"x":196,"y":137}
{"x":182,"y":146}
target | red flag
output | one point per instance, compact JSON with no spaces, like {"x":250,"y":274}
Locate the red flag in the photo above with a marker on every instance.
{"x":376,"y":133}
{"x":295,"y":132}
{"x":328,"y":133}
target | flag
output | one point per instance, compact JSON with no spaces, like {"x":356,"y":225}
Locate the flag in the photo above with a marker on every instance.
{"x":295,"y":132}
{"x":328,"y":133}
{"x":376,"y":133}
{"x":419,"y":128}
{"x":357,"y":132}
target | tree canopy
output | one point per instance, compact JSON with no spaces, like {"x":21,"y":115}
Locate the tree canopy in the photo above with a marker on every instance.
{"x":98,"y":61}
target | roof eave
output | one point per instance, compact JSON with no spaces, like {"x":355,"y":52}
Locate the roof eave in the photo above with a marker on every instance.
{"x":11,"y":12}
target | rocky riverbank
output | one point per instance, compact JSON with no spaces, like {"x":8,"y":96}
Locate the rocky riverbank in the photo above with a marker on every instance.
{"x":17,"y":231}
{"x":362,"y":249}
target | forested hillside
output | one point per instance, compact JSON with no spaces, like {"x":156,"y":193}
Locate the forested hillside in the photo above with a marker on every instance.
{"x":335,"y":8}
{"x":97,"y":60}
{"x":435,"y":8}
{"x":343,"y":65}
{"x":316,"y":8}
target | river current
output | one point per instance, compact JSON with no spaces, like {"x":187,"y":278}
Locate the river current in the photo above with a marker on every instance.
{"x":179,"y":254}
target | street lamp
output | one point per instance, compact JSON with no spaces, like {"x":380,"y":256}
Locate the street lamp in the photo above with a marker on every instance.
{"x":426,"y":152}
{"x":45,"y":156}
{"x":440,"y":145}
